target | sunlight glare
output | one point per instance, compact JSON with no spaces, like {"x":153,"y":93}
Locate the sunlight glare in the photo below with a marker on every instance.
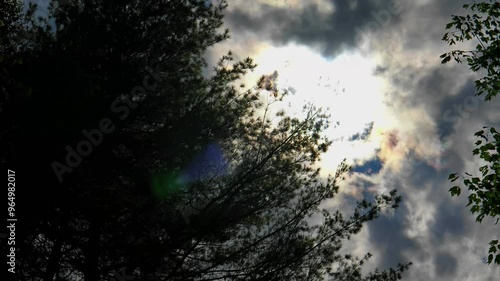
{"x":345,"y":86}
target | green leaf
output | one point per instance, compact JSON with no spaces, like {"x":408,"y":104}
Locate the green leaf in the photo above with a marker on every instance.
{"x":446,"y":59}
{"x":455,"y":191}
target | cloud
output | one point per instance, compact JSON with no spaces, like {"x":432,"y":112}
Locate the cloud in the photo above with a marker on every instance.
{"x":446,"y":265}
{"x":426,"y":133}
{"x":330,"y":26}
{"x":392,"y":245}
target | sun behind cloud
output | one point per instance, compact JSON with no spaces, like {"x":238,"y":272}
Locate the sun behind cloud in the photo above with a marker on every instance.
{"x":346,"y":86}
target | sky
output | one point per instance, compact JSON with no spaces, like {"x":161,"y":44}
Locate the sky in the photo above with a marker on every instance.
{"x":405,"y":121}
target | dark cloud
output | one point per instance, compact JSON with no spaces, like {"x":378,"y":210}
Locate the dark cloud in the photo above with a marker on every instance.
{"x":433,"y":88}
{"x":427,"y":24}
{"x":453,"y":109}
{"x":349,"y":23}
{"x":453,"y":161}
{"x":419,"y":173}
{"x":391,"y":243}
{"x":449,"y":216}
{"x":445,"y":265}
{"x":333,"y":32}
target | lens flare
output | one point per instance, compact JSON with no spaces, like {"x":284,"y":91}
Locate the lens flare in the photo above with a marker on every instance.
{"x":210,"y":163}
